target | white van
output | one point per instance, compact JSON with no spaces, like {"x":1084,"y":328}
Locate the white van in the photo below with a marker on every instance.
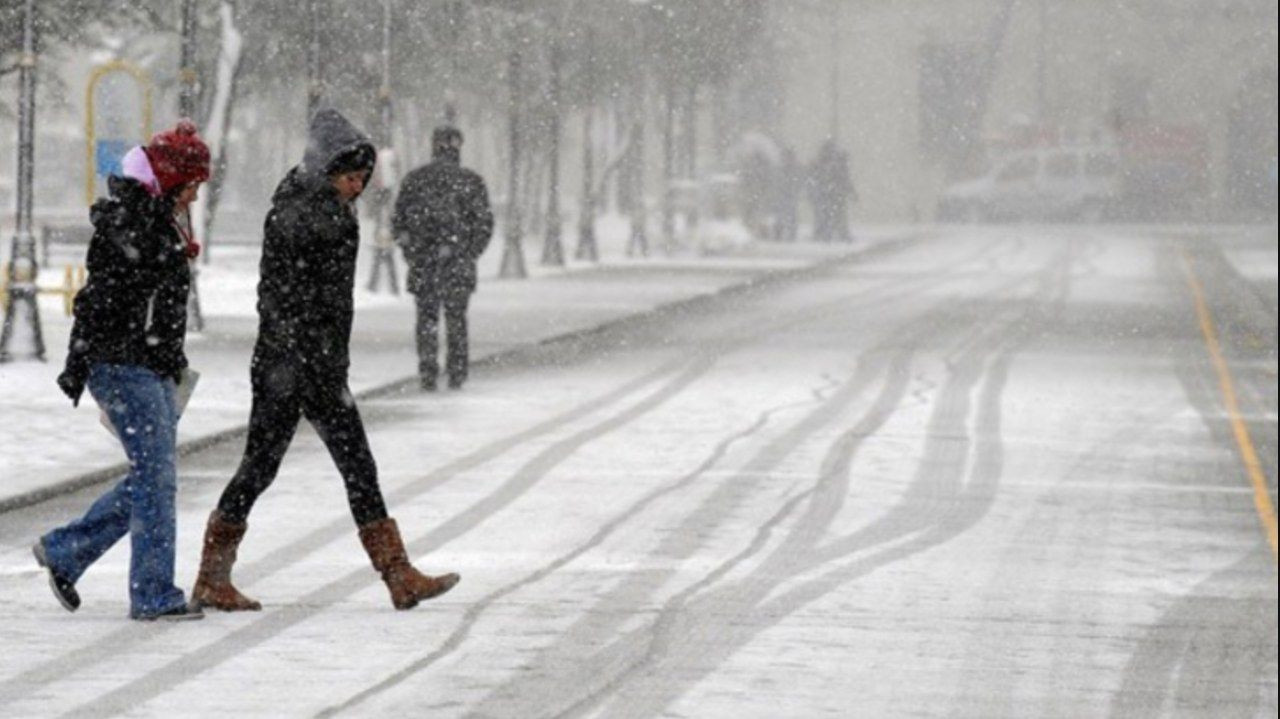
{"x":1068,"y":183}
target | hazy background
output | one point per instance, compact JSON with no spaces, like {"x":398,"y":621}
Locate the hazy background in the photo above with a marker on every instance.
{"x":691,"y":103}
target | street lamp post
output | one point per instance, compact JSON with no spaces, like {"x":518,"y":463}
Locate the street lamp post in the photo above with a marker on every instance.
{"x":835,"y":69}
{"x":553,"y":246}
{"x":690,"y":138}
{"x":187,"y":71}
{"x":315,"y":88}
{"x":384,"y":257}
{"x":639,"y":241}
{"x":187,"y":108}
{"x":1042,"y":65}
{"x":638,"y":244}
{"x":23,"y":267}
{"x":586,"y":249}
{"x":668,"y":166}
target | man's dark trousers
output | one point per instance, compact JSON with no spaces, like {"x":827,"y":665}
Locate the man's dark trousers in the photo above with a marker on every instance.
{"x":454,"y":306}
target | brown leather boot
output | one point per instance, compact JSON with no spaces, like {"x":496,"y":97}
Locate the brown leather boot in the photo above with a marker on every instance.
{"x":213,"y":584}
{"x":408,"y":586}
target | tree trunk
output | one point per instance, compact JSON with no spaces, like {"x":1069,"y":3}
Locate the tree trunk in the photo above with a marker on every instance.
{"x":691,"y":152}
{"x":637,"y":210}
{"x":668,"y":168}
{"x":587,"y":215}
{"x":720,"y":142}
{"x":220,"y":114}
{"x":535,"y":182}
{"x":553,"y":244}
{"x":513,"y":250}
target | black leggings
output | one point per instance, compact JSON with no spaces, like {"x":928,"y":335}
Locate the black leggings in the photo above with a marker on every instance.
{"x":281,"y":397}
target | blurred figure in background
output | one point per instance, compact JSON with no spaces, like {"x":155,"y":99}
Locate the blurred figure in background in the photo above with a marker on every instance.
{"x":831,"y":190}
{"x":787,"y":189}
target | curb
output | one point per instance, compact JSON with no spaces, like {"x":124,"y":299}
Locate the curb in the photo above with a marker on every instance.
{"x":400,"y":386}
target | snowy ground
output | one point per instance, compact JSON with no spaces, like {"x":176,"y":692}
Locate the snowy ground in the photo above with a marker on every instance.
{"x":982,"y":473}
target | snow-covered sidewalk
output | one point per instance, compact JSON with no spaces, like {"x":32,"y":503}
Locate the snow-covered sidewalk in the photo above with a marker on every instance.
{"x":47,"y":446}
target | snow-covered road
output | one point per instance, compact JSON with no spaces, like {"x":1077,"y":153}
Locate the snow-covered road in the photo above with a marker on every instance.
{"x":977,"y":474}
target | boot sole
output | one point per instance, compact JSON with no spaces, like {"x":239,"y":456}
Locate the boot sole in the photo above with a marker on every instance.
{"x":448,"y":581}
{"x":37,"y":550}
{"x":206,"y":604}
{"x":216,"y":608}
{"x":188,"y":616}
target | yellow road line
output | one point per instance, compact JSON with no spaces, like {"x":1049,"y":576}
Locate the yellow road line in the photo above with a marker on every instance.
{"x":1261,"y":496}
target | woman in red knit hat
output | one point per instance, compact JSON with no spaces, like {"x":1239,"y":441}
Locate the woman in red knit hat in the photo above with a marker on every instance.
{"x":127,"y":348}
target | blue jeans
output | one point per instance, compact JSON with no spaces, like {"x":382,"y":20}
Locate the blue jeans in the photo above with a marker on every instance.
{"x":140,"y":405}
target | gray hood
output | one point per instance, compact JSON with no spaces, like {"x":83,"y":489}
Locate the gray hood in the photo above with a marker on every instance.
{"x":330,"y":136}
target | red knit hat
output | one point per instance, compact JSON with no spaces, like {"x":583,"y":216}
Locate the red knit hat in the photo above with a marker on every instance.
{"x":178,"y":156}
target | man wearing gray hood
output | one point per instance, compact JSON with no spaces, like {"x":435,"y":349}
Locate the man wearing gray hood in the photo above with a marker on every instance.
{"x":300,"y":362}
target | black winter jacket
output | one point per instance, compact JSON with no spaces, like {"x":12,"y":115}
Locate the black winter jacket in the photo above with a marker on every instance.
{"x":307,"y":272}
{"x":133,"y":307}
{"x":443,"y":223}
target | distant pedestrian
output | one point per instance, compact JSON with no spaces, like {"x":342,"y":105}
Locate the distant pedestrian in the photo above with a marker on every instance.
{"x":300,"y":365}
{"x":831,"y":191}
{"x":443,"y":223}
{"x":787,"y":189}
{"x":127,"y":346}
{"x":757,"y":179}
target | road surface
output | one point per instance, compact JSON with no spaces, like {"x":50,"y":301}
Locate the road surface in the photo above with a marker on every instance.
{"x":981,"y":474}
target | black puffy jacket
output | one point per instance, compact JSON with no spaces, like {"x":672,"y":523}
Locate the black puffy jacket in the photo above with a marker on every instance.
{"x":307,"y":272}
{"x":133,"y":307}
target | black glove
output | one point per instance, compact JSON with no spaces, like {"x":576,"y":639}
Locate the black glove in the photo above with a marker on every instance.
{"x":72,"y":381}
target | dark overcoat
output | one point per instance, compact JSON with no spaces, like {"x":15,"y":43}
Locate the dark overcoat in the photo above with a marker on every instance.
{"x":443,"y":223}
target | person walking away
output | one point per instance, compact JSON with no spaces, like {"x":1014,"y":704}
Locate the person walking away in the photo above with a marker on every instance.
{"x":443,"y":223}
{"x":300,"y":363}
{"x":847,"y":196}
{"x":757,"y":175}
{"x":127,"y":347}
{"x":787,"y":197}
{"x":831,"y":189}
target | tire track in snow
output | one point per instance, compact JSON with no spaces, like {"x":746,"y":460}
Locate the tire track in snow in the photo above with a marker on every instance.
{"x":697,"y":631}
{"x":686,"y":619}
{"x":1184,"y":665}
{"x":711,"y":628}
{"x":606,"y":619}
{"x":656,"y":642}
{"x":629,"y":656}
{"x":1053,"y":525}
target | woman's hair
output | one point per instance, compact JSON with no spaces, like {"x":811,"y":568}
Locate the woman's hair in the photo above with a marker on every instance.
{"x":360,"y":158}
